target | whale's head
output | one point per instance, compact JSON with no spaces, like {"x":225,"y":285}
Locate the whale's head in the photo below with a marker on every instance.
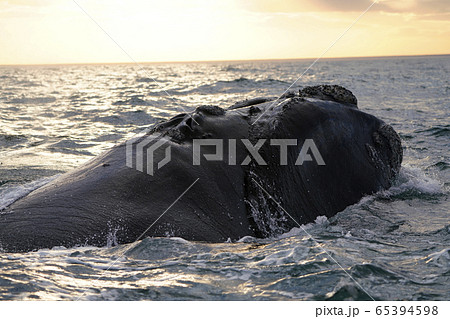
{"x":300,"y":156}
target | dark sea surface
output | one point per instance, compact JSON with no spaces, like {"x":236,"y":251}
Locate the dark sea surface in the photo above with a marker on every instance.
{"x":394,"y":244}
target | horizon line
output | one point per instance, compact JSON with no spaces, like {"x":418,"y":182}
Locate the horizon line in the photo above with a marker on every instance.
{"x":232,"y":60}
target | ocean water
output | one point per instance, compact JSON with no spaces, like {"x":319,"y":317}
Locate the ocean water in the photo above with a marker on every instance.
{"x":393,"y":245}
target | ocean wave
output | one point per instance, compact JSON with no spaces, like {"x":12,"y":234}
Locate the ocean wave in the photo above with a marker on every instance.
{"x":137,"y":117}
{"x":34,"y":100}
{"x":445,"y":231}
{"x":412,"y":182}
{"x":439,"y":130}
{"x":134,"y":100}
{"x":26,"y":83}
{"x":440,"y":258}
{"x":237,"y":85}
{"x":240,"y":84}
{"x":144,"y":80}
{"x":11,"y":139}
{"x":297,"y":254}
{"x":246,"y":81}
{"x":346,"y":291}
{"x":70,"y":147}
{"x":240,"y":68}
{"x":441,"y":165}
{"x":148,"y":80}
{"x":319,"y":222}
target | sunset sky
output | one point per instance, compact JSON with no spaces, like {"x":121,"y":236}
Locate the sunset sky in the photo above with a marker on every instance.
{"x":58,"y":31}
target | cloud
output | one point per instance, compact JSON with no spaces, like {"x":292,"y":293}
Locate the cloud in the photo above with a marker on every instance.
{"x":26,"y":3}
{"x":417,"y":7}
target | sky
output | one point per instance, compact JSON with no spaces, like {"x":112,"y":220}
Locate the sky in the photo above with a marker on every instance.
{"x":59,"y":31}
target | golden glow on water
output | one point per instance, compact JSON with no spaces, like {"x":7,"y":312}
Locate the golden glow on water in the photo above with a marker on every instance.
{"x":396,"y":245}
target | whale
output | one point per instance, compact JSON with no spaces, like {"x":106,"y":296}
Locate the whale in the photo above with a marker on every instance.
{"x":257,"y":168}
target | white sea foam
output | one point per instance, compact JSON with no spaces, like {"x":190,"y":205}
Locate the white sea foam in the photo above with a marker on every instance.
{"x":247,"y":239}
{"x":320,"y":221}
{"x":414,"y":179}
{"x":410,"y":179}
{"x":440,"y":258}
